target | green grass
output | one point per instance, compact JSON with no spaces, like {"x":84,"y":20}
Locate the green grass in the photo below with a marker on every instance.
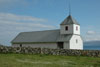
{"x":24,"y":60}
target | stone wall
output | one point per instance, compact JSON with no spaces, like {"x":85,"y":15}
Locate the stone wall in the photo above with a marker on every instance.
{"x":66,"y":52}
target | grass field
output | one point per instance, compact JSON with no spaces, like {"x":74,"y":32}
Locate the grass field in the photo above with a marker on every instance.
{"x":22,"y":60}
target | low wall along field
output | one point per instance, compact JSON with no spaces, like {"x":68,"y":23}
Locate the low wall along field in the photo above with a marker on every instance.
{"x":66,"y":52}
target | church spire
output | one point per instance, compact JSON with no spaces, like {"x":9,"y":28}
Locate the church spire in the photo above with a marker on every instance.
{"x":69,"y":8}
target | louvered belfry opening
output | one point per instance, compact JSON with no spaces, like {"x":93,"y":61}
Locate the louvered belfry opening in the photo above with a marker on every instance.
{"x":60,"y":45}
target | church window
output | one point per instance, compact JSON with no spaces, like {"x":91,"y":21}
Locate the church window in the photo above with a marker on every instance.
{"x":66,"y":28}
{"x":76,"y":41}
{"x":76,"y":28}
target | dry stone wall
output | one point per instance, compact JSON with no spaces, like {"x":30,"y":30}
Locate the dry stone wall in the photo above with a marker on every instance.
{"x":66,"y":52}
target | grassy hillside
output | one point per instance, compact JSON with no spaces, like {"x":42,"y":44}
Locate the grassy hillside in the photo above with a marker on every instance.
{"x":22,"y":60}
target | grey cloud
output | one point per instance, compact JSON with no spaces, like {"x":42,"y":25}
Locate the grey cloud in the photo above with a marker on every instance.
{"x":13,"y":17}
{"x":91,"y":32}
{"x":92,"y":36}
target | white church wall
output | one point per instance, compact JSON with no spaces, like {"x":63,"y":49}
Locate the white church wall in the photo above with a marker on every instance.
{"x":71,"y":29}
{"x":64,"y":31}
{"x":38,"y":45}
{"x":76,"y":31}
{"x":76,"y":42}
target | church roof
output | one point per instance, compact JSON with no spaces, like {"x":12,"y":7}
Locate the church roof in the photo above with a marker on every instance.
{"x":69,"y":20}
{"x":41,"y":36}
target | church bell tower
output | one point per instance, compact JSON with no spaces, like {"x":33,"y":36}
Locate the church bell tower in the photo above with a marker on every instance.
{"x":70,"y":26}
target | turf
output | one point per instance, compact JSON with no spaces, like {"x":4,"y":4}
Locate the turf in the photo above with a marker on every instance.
{"x":25,"y":60}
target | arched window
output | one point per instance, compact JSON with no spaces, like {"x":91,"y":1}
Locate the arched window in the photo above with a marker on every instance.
{"x":66,"y":28}
{"x":76,"y":41}
{"x":76,"y":28}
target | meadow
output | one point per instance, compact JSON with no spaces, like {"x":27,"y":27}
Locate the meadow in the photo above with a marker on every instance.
{"x":29,"y":60}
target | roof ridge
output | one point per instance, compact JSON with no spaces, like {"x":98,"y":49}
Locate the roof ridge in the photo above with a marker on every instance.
{"x":41,"y":31}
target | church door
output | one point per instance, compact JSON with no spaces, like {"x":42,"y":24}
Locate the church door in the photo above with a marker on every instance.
{"x":20,"y":45}
{"x":60,"y":45}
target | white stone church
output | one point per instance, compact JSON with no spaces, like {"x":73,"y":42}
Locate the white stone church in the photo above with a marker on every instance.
{"x":67,"y":37}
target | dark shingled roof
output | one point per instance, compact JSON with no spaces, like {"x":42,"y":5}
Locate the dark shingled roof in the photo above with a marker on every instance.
{"x":41,"y":36}
{"x":69,"y":20}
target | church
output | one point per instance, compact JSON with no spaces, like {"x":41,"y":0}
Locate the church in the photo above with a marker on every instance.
{"x":67,"y":37}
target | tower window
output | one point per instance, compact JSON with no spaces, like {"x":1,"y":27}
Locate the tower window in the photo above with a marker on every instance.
{"x":66,"y":28}
{"x":76,"y":41}
{"x":76,"y":28}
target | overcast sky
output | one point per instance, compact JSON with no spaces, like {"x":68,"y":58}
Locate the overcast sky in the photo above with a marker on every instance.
{"x":33,"y":15}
